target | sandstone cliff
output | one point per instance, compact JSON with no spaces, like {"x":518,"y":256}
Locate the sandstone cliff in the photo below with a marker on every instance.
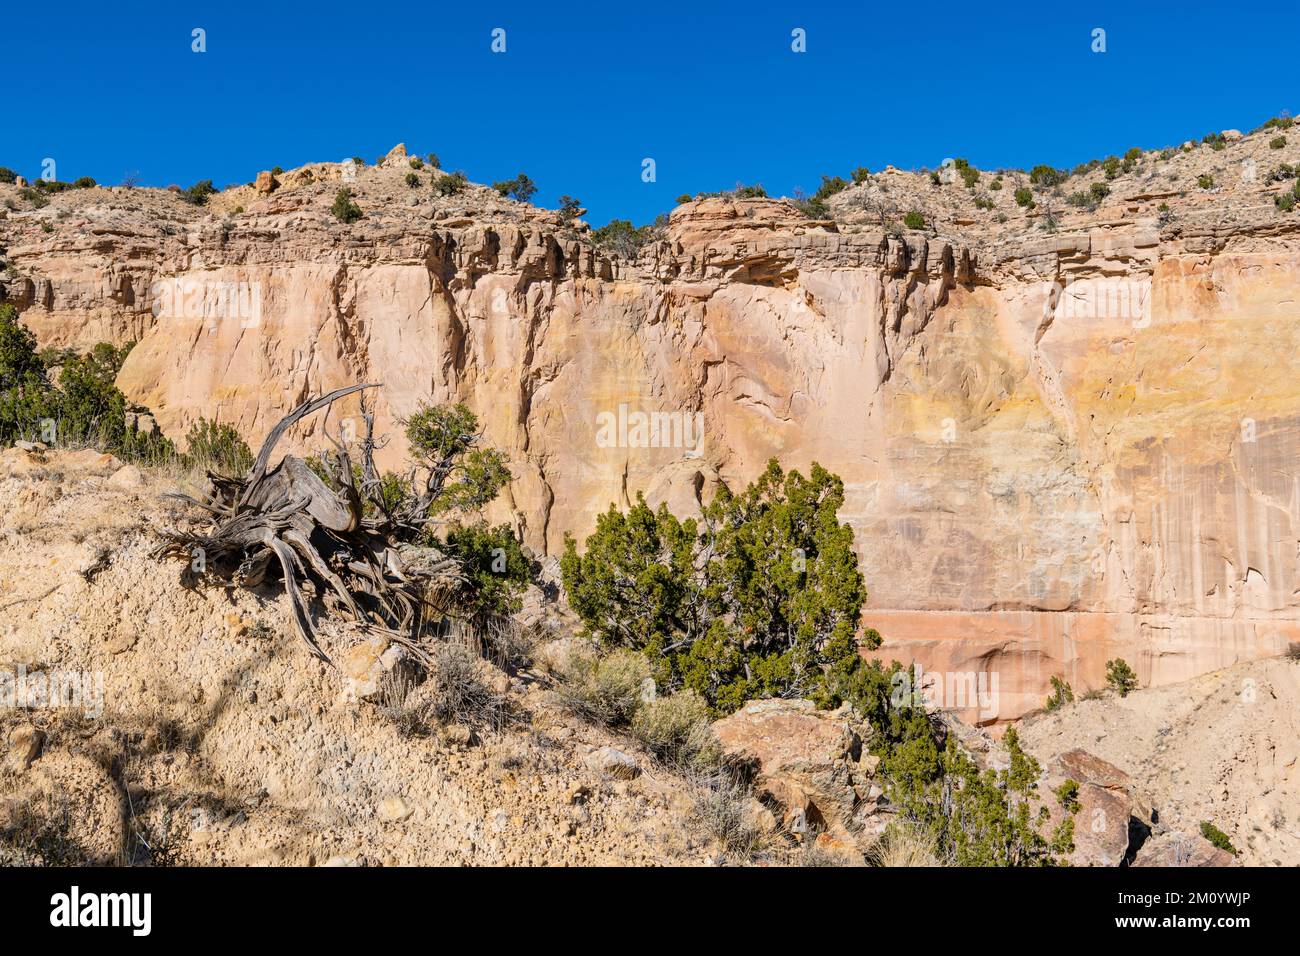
{"x":1060,"y":445}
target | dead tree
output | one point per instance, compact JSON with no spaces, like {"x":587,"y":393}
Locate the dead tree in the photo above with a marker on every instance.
{"x":291,"y":522}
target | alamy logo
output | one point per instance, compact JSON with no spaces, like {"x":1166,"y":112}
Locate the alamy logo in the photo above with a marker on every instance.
{"x":72,"y":909}
{"x":954,"y":690}
{"x":208,"y":299}
{"x":1127,"y":300}
{"x":636,"y":429}
{"x":53,"y":690}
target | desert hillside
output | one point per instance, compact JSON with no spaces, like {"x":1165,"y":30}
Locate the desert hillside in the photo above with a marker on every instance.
{"x":218,"y":740}
{"x":1061,"y":400}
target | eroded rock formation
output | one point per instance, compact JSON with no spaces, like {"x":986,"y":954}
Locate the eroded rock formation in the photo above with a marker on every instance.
{"x":1059,"y":447}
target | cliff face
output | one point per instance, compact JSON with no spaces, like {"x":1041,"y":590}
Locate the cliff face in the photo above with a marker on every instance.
{"x":1058,"y":447}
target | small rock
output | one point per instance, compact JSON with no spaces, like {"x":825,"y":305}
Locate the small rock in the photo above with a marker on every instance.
{"x":614,"y":763}
{"x":25,"y":745}
{"x":458,"y":735}
{"x":393,"y":810}
{"x":128,"y":476}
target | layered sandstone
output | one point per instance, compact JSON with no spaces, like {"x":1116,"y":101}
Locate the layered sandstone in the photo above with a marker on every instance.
{"x":1059,"y":447}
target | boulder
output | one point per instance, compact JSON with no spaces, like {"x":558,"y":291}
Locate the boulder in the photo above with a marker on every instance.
{"x":1111,"y":811}
{"x":396,"y":156}
{"x":128,"y":476}
{"x":805,"y":760}
{"x":614,"y":763}
{"x":266,"y":183}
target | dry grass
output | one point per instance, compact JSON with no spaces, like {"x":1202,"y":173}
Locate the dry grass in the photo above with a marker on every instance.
{"x":677,"y":730}
{"x":42,"y":834}
{"x":720,"y":815}
{"x":903,"y":845}
{"x":452,"y":691}
{"x":603,"y":690}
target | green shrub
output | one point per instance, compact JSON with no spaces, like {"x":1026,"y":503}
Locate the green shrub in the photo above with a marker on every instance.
{"x":444,"y":438}
{"x":1120,"y":676}
{"x":677,"y":730}
{"x":984,"y":202}
{"x":1278,"y":122}
{"x":1047,"y":176}
{"x":1062,"y":694}
{"x":1024,"y":197}
{"x":494,"y":563}
{"x":751,"y":192}
{"x":914,"y":220}
{"x":570,"y":208}
{"x":619,"y":236}
{"x":84,"y":182}
{"x":197,"y":195}
{"x":829,"y":187}
{"x":969,"y":174}
{"x":520,"y":188}
{"x":1098,"y":191}
{"x":814,"y":208}
{"x":972,"y":817}
{"x":861,"y":174}
{"x":1284,"y":201}
{"x":415,"y":162}
{"x":1215,"y":141}
{"x":217,"y":447}
{"x":604,"y":690}
{"x":1205,"y":181}
{"x":1067,"y":795}
{"x":450,"y":184}
{"x":996,"y":184}
{"x":37,"y":198}
{"x":412,"y":180}
{"x":1217,"y":837}
{"x":1277,"y":142}
{"x":344,"y":209}
{"x":685,"y":198}
{"x":433,"y":160}
{"x":7,"y":175}
{"x":760,"y":598}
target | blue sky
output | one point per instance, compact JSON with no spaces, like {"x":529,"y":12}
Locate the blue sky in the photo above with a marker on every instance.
{"x":585,"y":91}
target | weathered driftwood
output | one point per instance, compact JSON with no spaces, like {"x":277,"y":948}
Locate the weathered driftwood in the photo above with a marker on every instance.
{"x":290,"y":521}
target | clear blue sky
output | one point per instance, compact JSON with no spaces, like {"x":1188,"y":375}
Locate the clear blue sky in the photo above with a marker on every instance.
{"x":586,"y":90}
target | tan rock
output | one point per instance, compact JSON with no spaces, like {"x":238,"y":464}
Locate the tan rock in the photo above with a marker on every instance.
{"x":128,"y":476}
{"x":265,"y":183}
{"x":25,"y":744}
{"x":393,"y":809}
{"x":614,"y":763}
{"x":1181,"y":849}
{"x":803,"y":759}
{"x":363,"y":668}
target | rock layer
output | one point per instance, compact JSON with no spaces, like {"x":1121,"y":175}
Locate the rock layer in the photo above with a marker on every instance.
{"x":1058,"y":448}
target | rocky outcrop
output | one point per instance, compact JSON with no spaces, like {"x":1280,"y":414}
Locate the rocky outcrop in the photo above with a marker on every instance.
{"x":1058,"y":448}
{"x":808,"y":764}
{"x":1111,"y":819}
{"x":1181,"y":849}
